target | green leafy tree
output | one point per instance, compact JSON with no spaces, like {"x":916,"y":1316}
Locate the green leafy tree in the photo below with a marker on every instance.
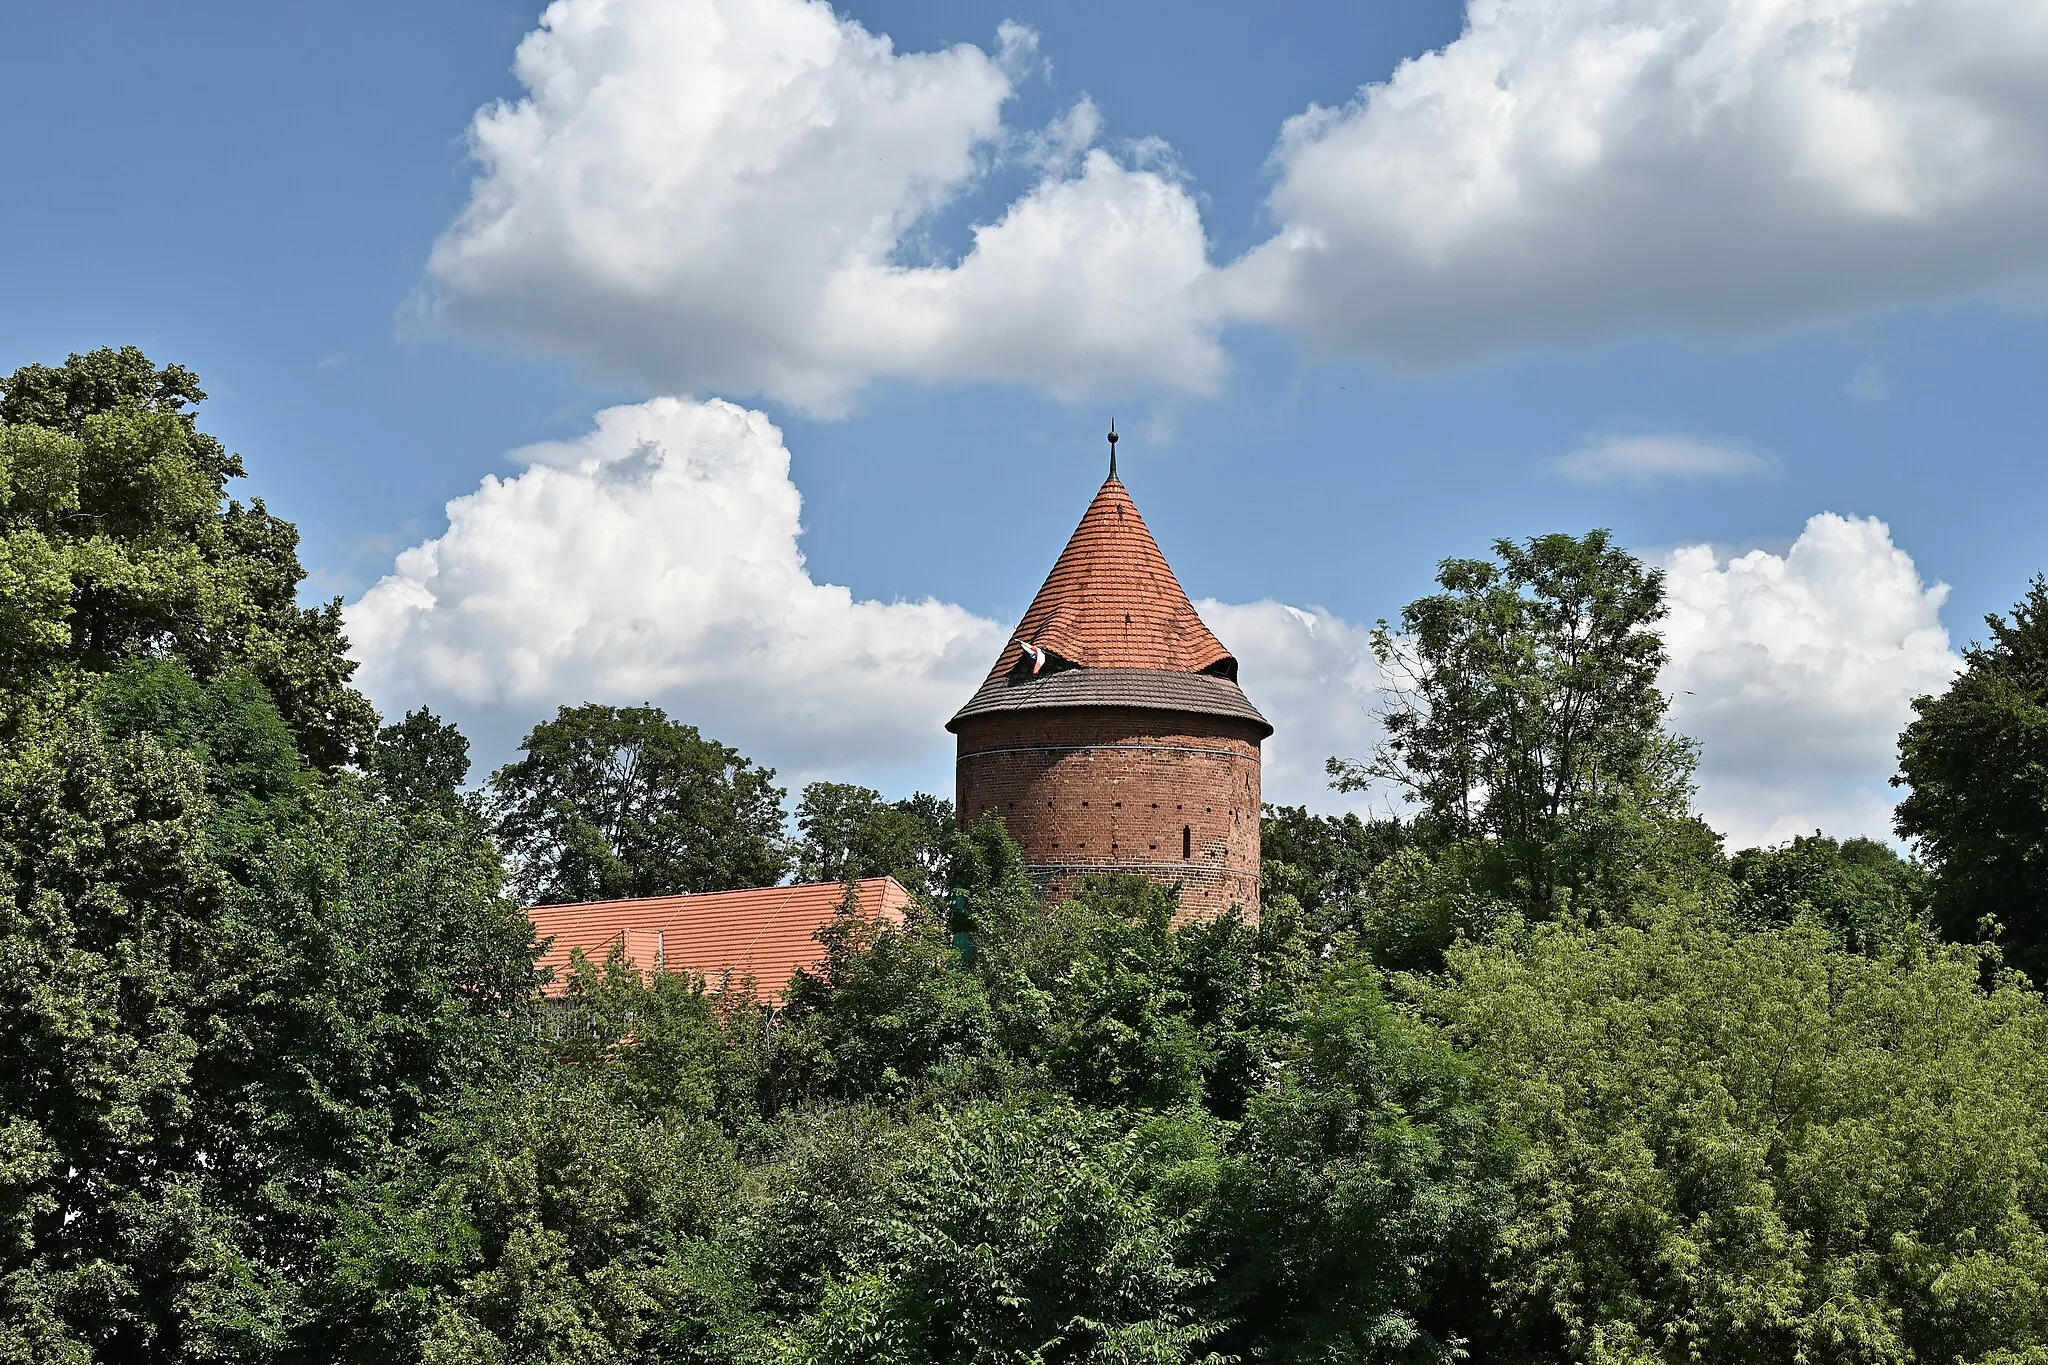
{"x":850,"y":832}
{"x":1859,"y":889}
{"x":422,"y":760}
{"x":230,"y":984}
{"x":1976,"y":761}
{"x":1358,"y":1201}
{"x":1023,"y":1232}
{"x":1325,"y":861}
{"x":611,"y":802}
{"x":553,"y":1223}
{"x":1746,"y":1146}
{"x":117,"y":542}
{"x":1526,"y":721}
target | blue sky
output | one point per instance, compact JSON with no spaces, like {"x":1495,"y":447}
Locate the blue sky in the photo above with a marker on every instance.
{"x":1744,"y":297}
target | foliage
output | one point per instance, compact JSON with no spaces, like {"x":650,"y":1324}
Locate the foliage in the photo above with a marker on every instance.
{"x":421,"y":760}
{"x":1537,"y":1075}
{"x":850,"y":832}
{"x":224,"y":986}
{"x":1976,"y":761}
{"x":549,"y":1223}
{"x":1375,"y":1154}
{"x":1756,"y":1146}
{"x":1526,"y":722}
{"x":1861,"y":891}
{"x":611,"y":802}
{"x":1325,"y":861}
{"x":117,"y":543}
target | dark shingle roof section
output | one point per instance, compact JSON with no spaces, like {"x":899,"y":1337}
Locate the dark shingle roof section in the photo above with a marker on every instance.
{"x":1112,"y":602}
{"x":1152,"y":689}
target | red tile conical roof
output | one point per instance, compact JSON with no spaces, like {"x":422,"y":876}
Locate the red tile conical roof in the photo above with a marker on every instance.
{"x":1112,"y":602}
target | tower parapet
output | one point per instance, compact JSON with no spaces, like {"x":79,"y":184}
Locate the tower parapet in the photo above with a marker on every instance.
{"x":1112,"y":735}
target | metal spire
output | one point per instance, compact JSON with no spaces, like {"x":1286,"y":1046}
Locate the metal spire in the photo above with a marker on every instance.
{"x":1112,"y":447}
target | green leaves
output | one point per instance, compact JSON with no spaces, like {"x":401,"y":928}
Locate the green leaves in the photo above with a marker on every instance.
{"x":1526,"y":719}
{"x":1976,"y":760}
{"x":1757,"y":1146}
{"x":850,"y":832}
{"x":117,"y":542}
{"x":611,"y":802}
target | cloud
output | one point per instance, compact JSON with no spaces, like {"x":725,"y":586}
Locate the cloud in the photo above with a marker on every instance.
{"x":1573,"y":170}
{"x":1642,"y":460}
{"x":1314,"y":676}
{"x":730,"y":196}
{"x":1796,"y":673}
{"x":655,"y":559}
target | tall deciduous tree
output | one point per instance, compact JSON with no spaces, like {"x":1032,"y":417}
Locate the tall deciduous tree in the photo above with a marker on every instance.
{"x":229,"y":984}
{"x":421,"y":760}
{"x":1526,"y":715}
{"x":851,"y":831}
{"x":117,"y":541}
{"x":1976,"y":760}
{"x":612,"y":802}
{"x":1755,"y":1146}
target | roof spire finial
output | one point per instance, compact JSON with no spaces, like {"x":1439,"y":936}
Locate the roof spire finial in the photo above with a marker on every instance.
{"x":1112,"y":447}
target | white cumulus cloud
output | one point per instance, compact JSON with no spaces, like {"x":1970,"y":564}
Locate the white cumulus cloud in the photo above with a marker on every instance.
{"x":1579,"y":169}
{"x":728,"y":195}
{"x":655,"y":559}
{"x":1641,"y":460}
{"x":1314,"y":676}
{"x":1796,"y":673}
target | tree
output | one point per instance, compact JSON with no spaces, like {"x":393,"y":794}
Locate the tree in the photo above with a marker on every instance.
{"x":611,"y":802}
{"x":117,"y":542}
{"x":1358,"y":1201}
{"x":1976,"y":761}
{"x":1526,"y":717}
{"x":422,"y":760}
{"x":1324,"y":861}
{"x":1019,"y":1230}
{"x":850,"y":832}
{"x":1746,"y":1146}
{"x":232,"y":983}
{"x":1869,"y":897}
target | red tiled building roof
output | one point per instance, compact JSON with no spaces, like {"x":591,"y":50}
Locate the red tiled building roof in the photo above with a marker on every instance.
{"x":766,"y":932}
{"x":1112,"y":602}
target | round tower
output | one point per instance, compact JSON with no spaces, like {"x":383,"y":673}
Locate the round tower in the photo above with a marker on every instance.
{"x":1111,"y":735}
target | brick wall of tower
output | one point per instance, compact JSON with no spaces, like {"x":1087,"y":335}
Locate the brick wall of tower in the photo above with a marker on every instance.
{"x":1171,"y":796}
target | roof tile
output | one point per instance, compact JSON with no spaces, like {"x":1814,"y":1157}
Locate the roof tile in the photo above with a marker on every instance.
{"x":766,"y":932}
{"x":1112,"y":602}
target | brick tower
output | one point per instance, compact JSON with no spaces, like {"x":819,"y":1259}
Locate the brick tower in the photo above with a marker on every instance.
{"x":1111,"y":735}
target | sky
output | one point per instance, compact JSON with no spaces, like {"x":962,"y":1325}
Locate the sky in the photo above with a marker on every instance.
{"x":753,"y":357}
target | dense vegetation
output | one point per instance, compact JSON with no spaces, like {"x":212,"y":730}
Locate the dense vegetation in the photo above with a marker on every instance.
{"x":1534,"y":1073}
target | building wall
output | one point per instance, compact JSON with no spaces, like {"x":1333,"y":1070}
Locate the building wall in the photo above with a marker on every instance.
{"x":1170,"y":796}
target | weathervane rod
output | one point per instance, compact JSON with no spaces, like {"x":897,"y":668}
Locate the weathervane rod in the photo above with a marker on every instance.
{"x":1112,"y":447}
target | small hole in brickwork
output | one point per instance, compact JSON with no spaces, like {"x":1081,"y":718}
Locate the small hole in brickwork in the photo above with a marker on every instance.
{"x":1084,"y":805}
